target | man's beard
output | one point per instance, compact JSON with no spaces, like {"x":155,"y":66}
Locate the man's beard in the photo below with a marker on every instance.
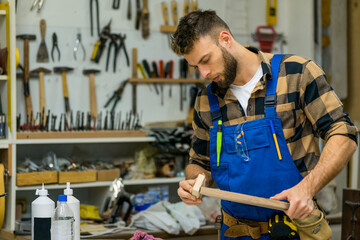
{"x":230,"y":68}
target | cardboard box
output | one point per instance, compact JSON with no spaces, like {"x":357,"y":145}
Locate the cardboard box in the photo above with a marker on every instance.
{"x":108,"y":175}
{"x":77,"y":176}
{"x":36,"y":178}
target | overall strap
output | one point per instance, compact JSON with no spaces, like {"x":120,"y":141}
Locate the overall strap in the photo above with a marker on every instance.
{"x":214,"y":105}
{"x":270,"y":99}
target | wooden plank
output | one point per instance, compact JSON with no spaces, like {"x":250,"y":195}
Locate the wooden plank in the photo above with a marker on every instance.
{"x":80,"y":134}
{"x":77,"y":176}
{"x":166,"y":80}
{"x":245,"y":199}
{"x":351,"y":103}
{"x":36,"y":178}
{"x":168,"y":28}
{"x":108,"y":174}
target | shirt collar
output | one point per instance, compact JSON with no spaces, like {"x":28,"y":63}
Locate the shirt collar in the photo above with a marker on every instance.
{"x":265,"y":58}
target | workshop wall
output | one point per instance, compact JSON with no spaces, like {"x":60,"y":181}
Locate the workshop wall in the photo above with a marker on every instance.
{"x":67,"y":18}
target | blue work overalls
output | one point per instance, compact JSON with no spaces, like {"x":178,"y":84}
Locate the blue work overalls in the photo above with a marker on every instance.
{"x":249,"y":161}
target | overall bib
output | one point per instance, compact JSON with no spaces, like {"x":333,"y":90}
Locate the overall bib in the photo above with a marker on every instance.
{"x":252,"y":158}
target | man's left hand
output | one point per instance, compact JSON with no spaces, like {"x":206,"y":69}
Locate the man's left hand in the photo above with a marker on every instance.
{"x":301,"y":203}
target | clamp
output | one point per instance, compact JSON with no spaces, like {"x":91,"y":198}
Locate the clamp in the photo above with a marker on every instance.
{"x":55,"y":46}
{"x":79,"y":44}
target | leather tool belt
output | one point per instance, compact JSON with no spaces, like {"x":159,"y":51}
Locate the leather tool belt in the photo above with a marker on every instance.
{"x":239,"y":227}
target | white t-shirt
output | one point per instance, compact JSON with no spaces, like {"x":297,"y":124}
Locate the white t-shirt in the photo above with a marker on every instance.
{"x":243,"y":93}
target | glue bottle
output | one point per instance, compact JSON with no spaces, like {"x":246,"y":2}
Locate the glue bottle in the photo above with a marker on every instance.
{"x":42,"y":212}
{"x":74,"y":205}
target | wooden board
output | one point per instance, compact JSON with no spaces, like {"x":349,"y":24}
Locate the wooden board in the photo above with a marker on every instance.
{"x":108,"y":175}
{"x":79,"y":134}
{"x":77,"y":177}
{"x":168,"y":28}
{"x":36,"y":178}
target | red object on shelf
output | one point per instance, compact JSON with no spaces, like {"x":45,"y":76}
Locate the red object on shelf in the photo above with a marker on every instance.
{"x":266,"y":36}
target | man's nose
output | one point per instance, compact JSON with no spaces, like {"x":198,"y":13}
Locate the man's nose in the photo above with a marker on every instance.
{"x":204,"y":71}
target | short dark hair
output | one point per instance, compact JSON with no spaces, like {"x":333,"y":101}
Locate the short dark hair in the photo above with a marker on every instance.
{"x":194,"y":25}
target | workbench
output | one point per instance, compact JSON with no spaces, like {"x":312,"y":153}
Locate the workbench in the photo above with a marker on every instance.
{"x":207,"y":231}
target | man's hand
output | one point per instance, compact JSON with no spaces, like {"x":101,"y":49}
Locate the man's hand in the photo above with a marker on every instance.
{"x":184,"y":192}
{"x":301,"y":203}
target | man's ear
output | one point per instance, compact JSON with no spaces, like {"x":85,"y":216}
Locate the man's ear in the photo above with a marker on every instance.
{"x":225,"y":38}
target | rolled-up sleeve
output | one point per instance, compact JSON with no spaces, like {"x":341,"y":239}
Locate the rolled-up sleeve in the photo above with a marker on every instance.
{"x":199,"y":152}
{"x":321,"y":105}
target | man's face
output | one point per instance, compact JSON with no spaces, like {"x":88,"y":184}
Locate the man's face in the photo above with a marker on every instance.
{"x":214,"y":61}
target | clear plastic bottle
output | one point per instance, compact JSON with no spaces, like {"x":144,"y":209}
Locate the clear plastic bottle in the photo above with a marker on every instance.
{"x":42,"y":211}
{"x":63,"y":224}
{"x":74,"y":205}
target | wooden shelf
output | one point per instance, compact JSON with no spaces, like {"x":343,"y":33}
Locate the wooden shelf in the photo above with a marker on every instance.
{"x":106,"y":183}
{"x":168,"y":28}
{"x":166,"y":80}
{"x":27,"y":137}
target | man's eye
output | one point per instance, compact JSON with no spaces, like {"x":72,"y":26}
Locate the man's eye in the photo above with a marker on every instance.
{"x":206,"y":60}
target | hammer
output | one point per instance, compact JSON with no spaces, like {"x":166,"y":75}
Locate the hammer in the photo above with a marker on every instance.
{"x":63,"y":71}
{"x":41,"y":72}
{"x":93,"y":106}
{"x":27,"y":38}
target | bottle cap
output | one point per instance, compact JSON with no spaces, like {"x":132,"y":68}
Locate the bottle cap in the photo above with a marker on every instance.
{"x":68,"y":191}
{"x":62,"y":198}
{"x":42,"y":191}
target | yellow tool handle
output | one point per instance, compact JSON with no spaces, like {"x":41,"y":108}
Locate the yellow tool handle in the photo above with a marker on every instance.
{"x":165,"y":13}
{"x":174,"y":11}
{"x":271,"y":12}
{"x":42,"y":91}
{"x":141,"y":69}
{"x":194,"y":5}
{"x":96,"y":48}
{"x":186,"y":7}
{"x":93,"y":107}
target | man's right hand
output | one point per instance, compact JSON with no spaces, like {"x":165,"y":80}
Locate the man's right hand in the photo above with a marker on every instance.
{"x":184,"y":192}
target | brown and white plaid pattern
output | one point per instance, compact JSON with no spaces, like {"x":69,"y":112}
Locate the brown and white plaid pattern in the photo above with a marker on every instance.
{"x":306,"y":103}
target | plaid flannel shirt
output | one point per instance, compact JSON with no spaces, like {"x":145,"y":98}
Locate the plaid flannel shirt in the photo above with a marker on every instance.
{"x":306,"y":103}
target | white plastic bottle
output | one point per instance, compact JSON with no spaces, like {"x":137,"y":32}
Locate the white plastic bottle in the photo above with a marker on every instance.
{"x":74,"y":205}
{"x":42,"y":212}
{"x":63,"y":223}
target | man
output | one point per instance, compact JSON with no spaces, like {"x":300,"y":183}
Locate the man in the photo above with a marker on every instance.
{"x":269,"y":124}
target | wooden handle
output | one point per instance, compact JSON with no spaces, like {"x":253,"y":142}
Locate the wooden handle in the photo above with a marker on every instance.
{"x":26,"y":77}
{"x":42,"y":91}
{"x":194,"y":5}
{"x":186,"y":7}
{"x":65,"y":92}
{"x":134,"y":63}
{"x":145,"y":20}
{"x":165,"y":13}
{"x":93,"y":107}
{"x":42,"y":28}
{"x":174,"y":11}
{"x":28,"y":104}
{"x":245,"y":199}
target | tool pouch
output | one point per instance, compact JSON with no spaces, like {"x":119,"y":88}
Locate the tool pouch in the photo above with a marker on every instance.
{"x":314,"y":227}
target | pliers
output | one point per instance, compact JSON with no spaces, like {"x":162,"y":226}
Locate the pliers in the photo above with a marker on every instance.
{"x":39,"y":3}
{"x":122,"y":46}
{"x":97,"y":17}
{"x":116,"y":96}
{"x":113,"y":43}
{"x":55,"y":46}
{"x":78,"y":44}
